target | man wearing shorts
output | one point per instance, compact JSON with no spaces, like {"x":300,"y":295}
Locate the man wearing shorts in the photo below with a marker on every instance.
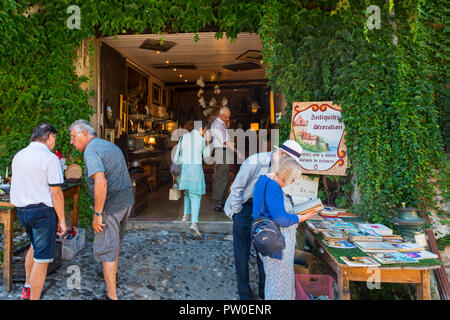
{"x":37,"y":194}
{"x":110,"y":186}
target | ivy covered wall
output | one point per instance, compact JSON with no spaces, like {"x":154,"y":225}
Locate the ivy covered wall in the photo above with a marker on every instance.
{"x":393,"y":95}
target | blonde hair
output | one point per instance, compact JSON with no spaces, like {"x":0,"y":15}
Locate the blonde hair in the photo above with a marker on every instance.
{"x":288,"y":169}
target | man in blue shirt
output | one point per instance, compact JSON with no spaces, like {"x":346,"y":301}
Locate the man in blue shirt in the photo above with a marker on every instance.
{"x":238,"y":207}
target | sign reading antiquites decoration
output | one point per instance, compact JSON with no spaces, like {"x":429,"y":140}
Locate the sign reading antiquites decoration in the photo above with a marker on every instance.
{"x":316,"y":127}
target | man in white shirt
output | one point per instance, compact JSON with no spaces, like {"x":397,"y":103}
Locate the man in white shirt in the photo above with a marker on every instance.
{"x":37,"y":194}
{"x":222,"y":144}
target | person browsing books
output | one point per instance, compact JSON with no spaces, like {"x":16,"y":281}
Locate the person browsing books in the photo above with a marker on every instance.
{"x":238,"y":207}
{"x":279,"y":266}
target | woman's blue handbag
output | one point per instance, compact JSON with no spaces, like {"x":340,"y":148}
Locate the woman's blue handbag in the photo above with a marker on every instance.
{"x":266,"y":235}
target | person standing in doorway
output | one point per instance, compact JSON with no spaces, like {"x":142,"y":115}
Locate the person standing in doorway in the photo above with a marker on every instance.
{"x":193,"y":148}
{"x":239,"y":205}
{"x":222,"y":145}
{"x":37,"y":194}
{"x":110,"y":186}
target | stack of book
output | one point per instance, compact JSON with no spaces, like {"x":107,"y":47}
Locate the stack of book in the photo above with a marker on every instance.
{"x":394,"y":257}
{"x":318,"y":225}
{"x":314,"y":204}
{"x":375,"y":246}
{"x":409,"y":247}
{"x":381,"y":229}
{"x":334,"y":235}
{"x":344,"y":226}
{"x":339,"y":244}
{"x":360,"y":262}
{"x":363,"y":235}
{"x":421,"y":255}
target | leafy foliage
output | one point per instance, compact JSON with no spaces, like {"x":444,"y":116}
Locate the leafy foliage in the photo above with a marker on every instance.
{"x":392,"y":96}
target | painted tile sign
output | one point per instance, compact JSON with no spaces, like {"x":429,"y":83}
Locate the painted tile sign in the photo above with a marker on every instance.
{"x":316,"y":127}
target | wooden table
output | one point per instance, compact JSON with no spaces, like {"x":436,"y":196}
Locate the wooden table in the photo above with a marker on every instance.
{"x":395,"y":274}
{"x":8,"y":215}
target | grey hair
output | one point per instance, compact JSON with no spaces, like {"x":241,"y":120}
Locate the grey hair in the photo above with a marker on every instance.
{"x":83,"y":125}
{"x":288,"y":168}
{"x":223,"y":109}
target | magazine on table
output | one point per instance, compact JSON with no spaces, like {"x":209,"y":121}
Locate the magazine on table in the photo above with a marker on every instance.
{"x":334,"y":235}
{"x":381,"y":229}
{"x":319,"y":225}
{"x":394,"y":257}
{"x":339,"y":244}
{"x":419,"y":255}
{"x":360,"y":262}
{"x":363,"y":235}
{"x":409,"y":247}
{"x":375,"y":246}
{"x":345,"y":225}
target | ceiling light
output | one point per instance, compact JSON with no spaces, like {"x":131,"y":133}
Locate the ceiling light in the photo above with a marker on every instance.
{"x":167,"y":61}
{"x":158,"y":52}
{"x":174,"y":69}
{"x":180,"y":75}
{"x":185,"y":80}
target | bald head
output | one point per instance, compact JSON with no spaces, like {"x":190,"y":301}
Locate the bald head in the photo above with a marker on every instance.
{"x":224,"y":114}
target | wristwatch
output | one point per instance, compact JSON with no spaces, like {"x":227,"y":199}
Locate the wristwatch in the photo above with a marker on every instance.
{"x":98,"y":214}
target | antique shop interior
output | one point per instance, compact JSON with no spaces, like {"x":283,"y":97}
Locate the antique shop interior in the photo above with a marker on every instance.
{"x":149,"y":88}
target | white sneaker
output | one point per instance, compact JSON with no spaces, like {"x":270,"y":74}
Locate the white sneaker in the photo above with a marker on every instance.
{"x":186,"y":218}
{"x":194,"y":231}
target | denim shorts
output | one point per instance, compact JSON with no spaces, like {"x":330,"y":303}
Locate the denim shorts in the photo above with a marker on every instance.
{"x":40,"y":223}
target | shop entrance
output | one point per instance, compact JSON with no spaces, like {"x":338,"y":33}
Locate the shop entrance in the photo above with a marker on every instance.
{"x":151,"y":87}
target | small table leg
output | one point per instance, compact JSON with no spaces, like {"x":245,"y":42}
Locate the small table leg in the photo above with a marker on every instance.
{"x":76,"y":197}
{"x":423,"y":289}
{"x":8,"y":252}
{"x":344,"y":285}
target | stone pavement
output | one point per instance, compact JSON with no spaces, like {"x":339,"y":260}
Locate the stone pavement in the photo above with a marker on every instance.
{"x":153,"y":265}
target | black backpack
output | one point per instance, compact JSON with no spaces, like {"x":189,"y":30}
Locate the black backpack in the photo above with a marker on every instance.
{"x":265,"y":233}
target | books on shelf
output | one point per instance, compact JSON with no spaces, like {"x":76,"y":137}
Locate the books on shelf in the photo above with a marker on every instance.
{"x":301,"y":208}
{"x":375,"y":246}
{"x":334,"y":235}
{"x":319,"y":225}
{"x":394,"y":257}
{"x":381,"y":229}
{"x":419,"y":255}
{"x":409,"y":247}
{"x":363,"y":235}
{"x":360,"y":262}
{"x":339,"y":244}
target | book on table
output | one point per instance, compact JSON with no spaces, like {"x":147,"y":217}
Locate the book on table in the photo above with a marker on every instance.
{"x":345,"y":225}
{"x":393,"y":257}
{"x":339,"y":244}
{"x":319,"y":225}
{"x":363,"y":235}
{"x":395,"y":238}
{"x":302,"y":208}
{"x":419,"y":255}
{"x":381,"y":229}
{"x":360,"y":262}
{"x":375,"y":246}
{"x":409,"y":247}
{"x":334,"y":235}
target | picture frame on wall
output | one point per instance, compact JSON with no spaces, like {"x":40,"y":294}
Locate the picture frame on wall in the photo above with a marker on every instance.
{"x":156,"y":94}
{"x":109,"y":135}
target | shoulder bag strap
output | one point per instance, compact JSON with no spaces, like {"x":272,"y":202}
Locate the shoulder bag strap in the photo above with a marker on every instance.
{"x":177,"y":152}
{"x":264,"y":198}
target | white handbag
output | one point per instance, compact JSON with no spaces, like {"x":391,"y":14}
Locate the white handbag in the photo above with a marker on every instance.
{"x":174,"y":193}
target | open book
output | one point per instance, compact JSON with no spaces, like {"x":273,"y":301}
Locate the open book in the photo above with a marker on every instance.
{"x":301,"y":208}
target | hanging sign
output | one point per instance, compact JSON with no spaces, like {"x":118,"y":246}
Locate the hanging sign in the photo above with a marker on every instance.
{"x":303,"y":189}
{"x":316,"y":127}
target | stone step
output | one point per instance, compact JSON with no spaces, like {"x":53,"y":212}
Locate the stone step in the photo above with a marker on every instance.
{"x":207,"y":226}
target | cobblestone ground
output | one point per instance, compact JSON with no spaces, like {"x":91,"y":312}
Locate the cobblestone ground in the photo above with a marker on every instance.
{"x":153,"y":265}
